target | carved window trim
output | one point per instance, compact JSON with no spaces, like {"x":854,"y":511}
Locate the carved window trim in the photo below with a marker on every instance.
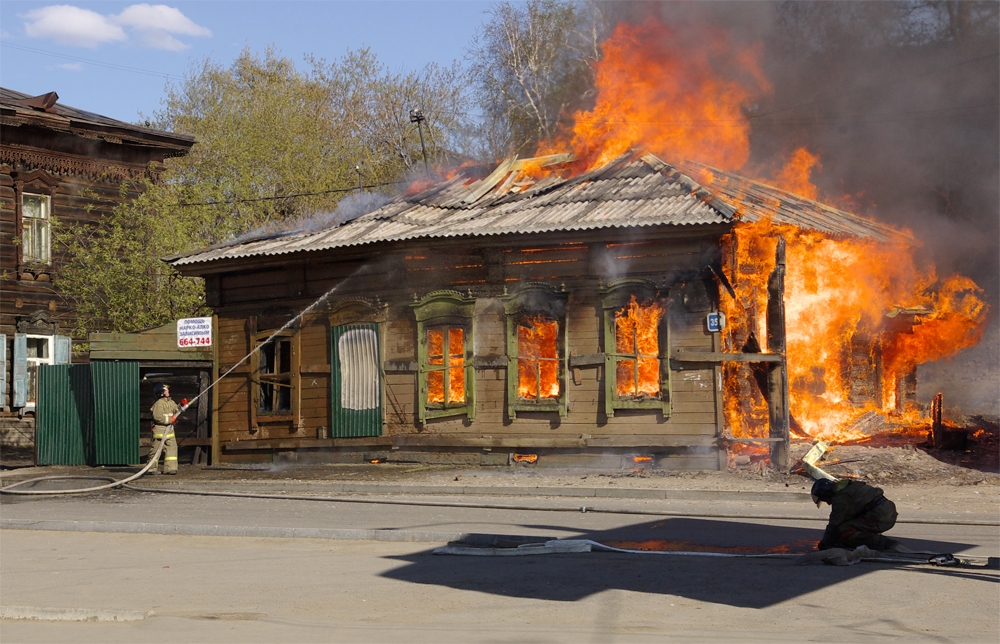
{"x":40,"y":184}
{"x":445,"y":310}
{"x":614,"y":297}
{"x":536,"y":299}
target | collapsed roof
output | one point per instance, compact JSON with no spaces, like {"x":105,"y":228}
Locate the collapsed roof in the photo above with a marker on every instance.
{"x":626,"y":193}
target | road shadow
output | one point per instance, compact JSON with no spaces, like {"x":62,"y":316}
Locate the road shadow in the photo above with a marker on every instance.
{"x":739,"y":582}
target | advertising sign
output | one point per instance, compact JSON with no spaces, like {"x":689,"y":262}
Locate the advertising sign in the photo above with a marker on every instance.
{"x":194,"y":332}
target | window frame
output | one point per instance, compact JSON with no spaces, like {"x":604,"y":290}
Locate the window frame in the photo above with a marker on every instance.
{"x":257,"y":382}
{"x":614,"y":297}
{"x":530,"y":300}
{"x":27,"y":222}
{"x":30,"y":404}
{"x":441,"y":310}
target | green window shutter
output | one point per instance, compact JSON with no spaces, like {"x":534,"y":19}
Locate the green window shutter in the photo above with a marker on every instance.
{"x":63,"y":350}
{"x":20,"y":370}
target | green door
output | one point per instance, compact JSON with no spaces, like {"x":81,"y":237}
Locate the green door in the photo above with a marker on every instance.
{"x":356,"y":381}
{"x":64,"y":423}
{"x":116,"y":411}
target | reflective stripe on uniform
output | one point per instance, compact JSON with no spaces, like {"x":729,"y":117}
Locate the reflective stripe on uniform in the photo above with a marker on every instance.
{"x":170,"y":435}
{"x":170,"y":458}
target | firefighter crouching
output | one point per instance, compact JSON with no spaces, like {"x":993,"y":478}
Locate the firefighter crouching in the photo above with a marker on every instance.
{"x":859,"y":514}
{"x":164,"y":412}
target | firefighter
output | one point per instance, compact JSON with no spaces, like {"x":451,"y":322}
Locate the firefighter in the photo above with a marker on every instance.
{"x":165,"y":411}
{"x":859,"y":514}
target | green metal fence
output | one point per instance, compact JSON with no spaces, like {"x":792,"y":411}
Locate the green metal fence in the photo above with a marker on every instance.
{"x":116,"y":412}
{"x":88,"y":414}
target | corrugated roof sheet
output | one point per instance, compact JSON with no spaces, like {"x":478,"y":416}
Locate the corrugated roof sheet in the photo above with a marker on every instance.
{"x":626,"y":193}
{"x":756,"y":200}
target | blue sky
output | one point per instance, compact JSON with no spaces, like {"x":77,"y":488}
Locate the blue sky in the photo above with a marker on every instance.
{"x":115,"y":58}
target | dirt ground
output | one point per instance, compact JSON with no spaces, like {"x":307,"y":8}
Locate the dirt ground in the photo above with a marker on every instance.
{"x":884,"y":460}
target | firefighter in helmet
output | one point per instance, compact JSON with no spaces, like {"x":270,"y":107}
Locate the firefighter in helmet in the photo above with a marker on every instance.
{"x":165,"y":411}
{"x":859,"y":514}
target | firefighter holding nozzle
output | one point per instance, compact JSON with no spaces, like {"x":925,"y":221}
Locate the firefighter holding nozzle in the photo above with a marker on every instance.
{"x":859,"y":514}
{"x":165,"y":412}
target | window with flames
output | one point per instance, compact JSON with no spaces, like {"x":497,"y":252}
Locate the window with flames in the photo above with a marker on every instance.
{"x":636,"y":341}
{"x":444,"y":353}
{"x":536,"y":350}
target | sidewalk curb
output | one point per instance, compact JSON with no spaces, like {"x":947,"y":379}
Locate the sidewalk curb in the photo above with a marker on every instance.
{"x":473,"y":490}
{"x":42,"y":613}
{"x":343,"y":534}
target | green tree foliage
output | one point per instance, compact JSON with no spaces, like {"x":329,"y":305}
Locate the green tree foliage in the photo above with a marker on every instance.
{"x":532,"y":67}
{"x":273,"y":145}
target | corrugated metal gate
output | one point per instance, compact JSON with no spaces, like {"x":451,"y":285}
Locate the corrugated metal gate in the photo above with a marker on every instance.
{"x":88,"y":414}
{"x":64,"y":415}
{"x":356,"y":382}
{"x":116,"y":412}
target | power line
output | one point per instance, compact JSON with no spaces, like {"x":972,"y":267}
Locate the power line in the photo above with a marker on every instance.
{"x":90,"y":61}
{"x":185,"y":204}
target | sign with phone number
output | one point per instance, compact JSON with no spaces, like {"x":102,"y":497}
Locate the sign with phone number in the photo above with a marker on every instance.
{"x":194,"y":332}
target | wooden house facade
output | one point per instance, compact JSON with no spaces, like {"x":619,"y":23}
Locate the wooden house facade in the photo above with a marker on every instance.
{"x":56,"y":163}
{"x":484,"y":321}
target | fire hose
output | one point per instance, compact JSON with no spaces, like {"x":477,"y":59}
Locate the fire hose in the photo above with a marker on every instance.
{"x":153,"y":460}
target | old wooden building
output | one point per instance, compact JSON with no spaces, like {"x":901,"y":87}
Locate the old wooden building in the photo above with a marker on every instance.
{"x":490,"y":320}
{"x":57,"y":163}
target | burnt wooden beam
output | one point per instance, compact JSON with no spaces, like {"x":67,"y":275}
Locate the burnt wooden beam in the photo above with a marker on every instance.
{"x":683,"y":355}
{"x":589,"y":360}
{"x":777,"y":373}
{"x":478,"y":442}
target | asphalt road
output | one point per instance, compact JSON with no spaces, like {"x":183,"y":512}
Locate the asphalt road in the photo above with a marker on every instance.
{"x":250,"y":589}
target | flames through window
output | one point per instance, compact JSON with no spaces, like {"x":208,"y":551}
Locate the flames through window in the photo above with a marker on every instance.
{"x":637,"y":349}
{"x":538,"y":358}
{"x":446,"y":366}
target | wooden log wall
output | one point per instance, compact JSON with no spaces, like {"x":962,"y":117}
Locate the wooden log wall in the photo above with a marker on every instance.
{"x":395,"y":277}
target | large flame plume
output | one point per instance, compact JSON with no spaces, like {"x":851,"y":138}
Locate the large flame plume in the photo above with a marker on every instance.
{"x":666,"y":94}
{"x":846,"y":300}
{"x":857,"y":311}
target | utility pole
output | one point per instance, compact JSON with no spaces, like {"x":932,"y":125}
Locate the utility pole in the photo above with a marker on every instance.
{"x":417,"y":116}
{"x":361,"y":185}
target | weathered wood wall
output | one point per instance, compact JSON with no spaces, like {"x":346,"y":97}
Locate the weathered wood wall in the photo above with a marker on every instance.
{"x":669,"y":257}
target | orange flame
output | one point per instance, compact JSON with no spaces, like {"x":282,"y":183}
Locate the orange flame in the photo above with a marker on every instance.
{"x":537,"y":358}
{"x":855,"y":309}
{"x":637,"y":333}
{"x":663,"y":90}
{"x":796,"y":176}
{"x":448,"y":378}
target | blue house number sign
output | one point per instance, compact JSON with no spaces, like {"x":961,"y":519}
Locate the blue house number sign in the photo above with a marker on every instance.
{"x":716,"y":322}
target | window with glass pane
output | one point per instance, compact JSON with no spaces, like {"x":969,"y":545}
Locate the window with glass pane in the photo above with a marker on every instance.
{"x":35,"y":229}
{"x":274,"y":377}
{"x":446,"y":377}
{"x":39,"y":352}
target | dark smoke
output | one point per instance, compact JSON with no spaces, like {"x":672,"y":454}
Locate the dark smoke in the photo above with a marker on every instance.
{"x":900,"y":101}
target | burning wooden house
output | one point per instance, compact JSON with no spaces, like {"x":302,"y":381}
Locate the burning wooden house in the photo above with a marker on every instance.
{"x":480,"y":320}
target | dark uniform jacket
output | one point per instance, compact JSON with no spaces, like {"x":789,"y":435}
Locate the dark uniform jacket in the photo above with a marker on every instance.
{"x":859,"y":515}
